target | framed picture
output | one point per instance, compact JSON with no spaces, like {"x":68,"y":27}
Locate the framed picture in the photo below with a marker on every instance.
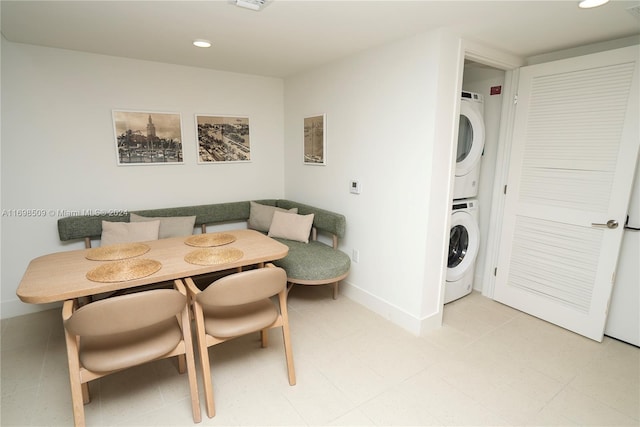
{"x":223,"y":139}
{"x":315,"y":141}
{"x":147,"y":137}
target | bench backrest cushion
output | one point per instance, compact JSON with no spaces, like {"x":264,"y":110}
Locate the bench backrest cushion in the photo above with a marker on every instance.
{"x":217,"y":213}
{"x":83,"y":226}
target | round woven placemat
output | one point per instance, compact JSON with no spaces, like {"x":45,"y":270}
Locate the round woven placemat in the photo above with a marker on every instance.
{"x":210,"y":239}
{"x":120,"y":271}
{"x":211,"y":256}
{"x":117,"y":252}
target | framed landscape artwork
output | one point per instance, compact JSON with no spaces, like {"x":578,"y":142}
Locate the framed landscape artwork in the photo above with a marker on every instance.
{"x":315,"y":142}
{"x":147,"y":137}
{"x":223,"y":139}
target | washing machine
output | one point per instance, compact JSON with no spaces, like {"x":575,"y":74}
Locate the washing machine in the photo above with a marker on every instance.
{"x":471,"y":134}
{"x":464,"y":243}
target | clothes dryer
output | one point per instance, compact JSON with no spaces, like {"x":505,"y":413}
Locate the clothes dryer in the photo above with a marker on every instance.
{"x":471,"y":135}
{"x":464,"y":243}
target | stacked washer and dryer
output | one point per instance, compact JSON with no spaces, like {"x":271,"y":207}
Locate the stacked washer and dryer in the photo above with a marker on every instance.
{"x":464,"y":235}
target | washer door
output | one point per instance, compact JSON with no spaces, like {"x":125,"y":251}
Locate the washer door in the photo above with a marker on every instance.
{"x":464,"y":241}
{"x":470,"y":138}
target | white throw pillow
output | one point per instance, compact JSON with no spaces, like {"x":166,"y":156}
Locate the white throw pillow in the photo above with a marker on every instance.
{"x":291,"y":226}
{"x":175,"y":226}
{"x":126,"y":232}
{"x":260,"y":216}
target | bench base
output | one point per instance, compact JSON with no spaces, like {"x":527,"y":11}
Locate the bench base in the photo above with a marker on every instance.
{"x":333,"y":281}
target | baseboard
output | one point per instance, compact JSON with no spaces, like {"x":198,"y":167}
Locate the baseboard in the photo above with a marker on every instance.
{"x":390,"y":312}
{"x":18,"y":308}
{"x":431,"y":323}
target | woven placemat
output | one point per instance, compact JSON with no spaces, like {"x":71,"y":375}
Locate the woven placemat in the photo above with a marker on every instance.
{"x":210,"y":239}
{"x":211,"y":256}
{"x":117,"y":252}
{"x":121,"y":271}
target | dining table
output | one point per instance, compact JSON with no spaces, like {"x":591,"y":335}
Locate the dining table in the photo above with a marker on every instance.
{"x":74,"y":274}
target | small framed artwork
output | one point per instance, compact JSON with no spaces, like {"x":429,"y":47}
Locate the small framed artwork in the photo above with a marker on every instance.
{"x":223,"y":139}
{"x":315,"y":140}
{"x":147,"y":137}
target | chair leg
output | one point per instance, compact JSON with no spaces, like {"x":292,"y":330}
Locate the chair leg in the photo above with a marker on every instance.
{"x":77,"y":389}
{"x":286,"y":337}
{"x":289,"y":355}
{"x":181,"y":363}
{"x":86,"y":395}
{"x":191,"y":364}
{"x":77,"y":395}
{"x":204,"y":360}
{"x":335,"y":290}
{"x":264,"y":337}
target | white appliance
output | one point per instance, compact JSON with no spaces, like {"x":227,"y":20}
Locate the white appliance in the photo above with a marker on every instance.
{"x":464,"y":242}
{"x":471,"y":134}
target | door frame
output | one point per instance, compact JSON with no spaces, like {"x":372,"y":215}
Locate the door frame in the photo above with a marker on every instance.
{"x":503,"y":155}
{"x":510,"y":64}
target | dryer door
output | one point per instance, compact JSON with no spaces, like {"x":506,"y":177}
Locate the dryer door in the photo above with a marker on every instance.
{"x":470,"y":138}
{"x":464,"y":241}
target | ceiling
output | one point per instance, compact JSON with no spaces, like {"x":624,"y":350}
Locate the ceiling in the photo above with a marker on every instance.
{"x":291,"y":36}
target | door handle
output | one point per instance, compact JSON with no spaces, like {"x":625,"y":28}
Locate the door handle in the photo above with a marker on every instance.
{"x":611,"y":224}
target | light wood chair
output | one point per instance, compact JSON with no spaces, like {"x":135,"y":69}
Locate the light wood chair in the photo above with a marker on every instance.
{"x":236,"y":305}
{"x":116,"y":333}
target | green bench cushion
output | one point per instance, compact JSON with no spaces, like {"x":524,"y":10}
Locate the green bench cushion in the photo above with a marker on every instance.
{"x":79,"y":227}
{"x":313,"y":261}
{"x":217,"y":213}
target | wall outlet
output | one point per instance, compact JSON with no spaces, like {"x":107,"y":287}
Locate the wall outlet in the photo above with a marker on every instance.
{"x":355,"y":255}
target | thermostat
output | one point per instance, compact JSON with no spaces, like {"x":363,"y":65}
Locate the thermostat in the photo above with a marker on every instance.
{"x":355,"y":187}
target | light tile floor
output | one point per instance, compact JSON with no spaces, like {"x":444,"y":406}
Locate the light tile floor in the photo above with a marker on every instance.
{"x":488,"y":365}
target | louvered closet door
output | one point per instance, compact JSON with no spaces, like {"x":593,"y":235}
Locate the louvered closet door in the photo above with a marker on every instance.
{"x":573,"y":155}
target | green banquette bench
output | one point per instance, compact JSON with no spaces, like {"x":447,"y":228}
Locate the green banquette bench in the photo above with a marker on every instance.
{"x":312,"y":263}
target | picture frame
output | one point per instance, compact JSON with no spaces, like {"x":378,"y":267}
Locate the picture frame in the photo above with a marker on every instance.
{"x":147,"y":137}
{"x":315,"y":140}
{"x":223,"y":139}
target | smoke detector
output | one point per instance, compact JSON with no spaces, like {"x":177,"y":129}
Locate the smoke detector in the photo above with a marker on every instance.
{"x":251,"y":4}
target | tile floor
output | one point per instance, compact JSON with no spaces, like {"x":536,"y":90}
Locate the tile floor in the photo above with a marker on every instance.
{"x":488,"y":365}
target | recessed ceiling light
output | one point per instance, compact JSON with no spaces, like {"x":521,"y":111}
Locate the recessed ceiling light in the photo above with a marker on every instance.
{"x":587,"y":4}
{"x":202,"y":43}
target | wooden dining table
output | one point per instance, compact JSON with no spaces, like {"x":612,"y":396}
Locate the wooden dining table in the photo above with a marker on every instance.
{"x":62,"y":276}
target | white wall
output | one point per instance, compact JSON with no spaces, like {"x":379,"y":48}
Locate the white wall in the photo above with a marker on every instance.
{"x":623,"y":321}
{"x":58,"y":149}
{"x":382,"y":110}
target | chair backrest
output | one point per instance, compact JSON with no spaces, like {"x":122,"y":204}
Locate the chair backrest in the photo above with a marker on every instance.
{"x":244,"y":287}
{"x":126,"y":313}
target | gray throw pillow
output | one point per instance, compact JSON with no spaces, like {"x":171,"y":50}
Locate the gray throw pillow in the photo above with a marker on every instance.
{"x":175,"y":226}
{"x":260,"y":216}
{"x":126,"y":232}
